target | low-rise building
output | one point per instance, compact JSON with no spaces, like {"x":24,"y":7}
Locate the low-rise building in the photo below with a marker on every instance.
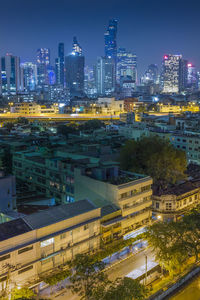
{"x":37,"y":244}
{"x":172,"y":203}
{"x":130,"y":192}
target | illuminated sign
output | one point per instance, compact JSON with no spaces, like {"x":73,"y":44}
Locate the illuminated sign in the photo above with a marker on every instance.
{"x":47,"y":242}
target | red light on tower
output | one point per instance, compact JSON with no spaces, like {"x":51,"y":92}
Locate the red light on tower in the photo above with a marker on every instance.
{"x":165,"y":56}
{"x":189,"y":65}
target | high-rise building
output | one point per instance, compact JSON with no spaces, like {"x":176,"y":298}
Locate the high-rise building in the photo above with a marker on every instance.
{"x":43,"y":63}
{"x":30,"y":76}
{"x":126,"y":65}
{"x":105,"y":76}
{"x":174,"y":74}
{"x":11,"y":79}
{"x":74,"y":65}
{"x":110,"y":37}
{"x":192,"y":76}
{"x":60,"y":65}
{"x":151,"y":75}
{"x":77,"y":49}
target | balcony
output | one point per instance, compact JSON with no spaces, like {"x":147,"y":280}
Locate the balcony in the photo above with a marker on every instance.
{"x":137,"y":207}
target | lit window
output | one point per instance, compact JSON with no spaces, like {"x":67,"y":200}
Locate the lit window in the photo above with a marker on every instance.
{"x":47,"y":242}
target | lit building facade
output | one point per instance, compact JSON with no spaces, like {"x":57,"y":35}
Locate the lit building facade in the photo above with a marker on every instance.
{"x":30,"y":76}
{"x":60,"y":65}
{"x":11,"y":79}
{"x":43,"y":63}
{"x":105,"y":76}
{"x":171,"y":74}
{"x":74,"y":65}
{"x":110,"y":38}
{"x":33,"y":246}
{"x":126,"y":65}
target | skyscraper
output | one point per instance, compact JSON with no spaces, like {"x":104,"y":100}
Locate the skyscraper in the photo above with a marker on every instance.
{"x":151,"y":74}
{"x":11,"y":80}
{"x":110,"y":37}
{"x":43,"y":63}
{"x":105,"y":76}
{"x":126,"y":65}
{"x":60,"y":65}
{"x":74,"y":64}
{"x":192,"y":76}
{"x":172,"y":68}
{"x":30,"y":76}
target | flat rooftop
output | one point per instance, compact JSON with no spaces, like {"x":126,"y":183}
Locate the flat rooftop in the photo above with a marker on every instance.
{"x":179,"y":189}
{"x":13,"y":228}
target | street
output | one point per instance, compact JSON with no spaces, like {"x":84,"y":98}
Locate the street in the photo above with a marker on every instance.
{"x":120,"y":270}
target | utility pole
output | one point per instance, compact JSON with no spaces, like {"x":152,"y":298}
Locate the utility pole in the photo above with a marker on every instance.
{"x":145,"y":269}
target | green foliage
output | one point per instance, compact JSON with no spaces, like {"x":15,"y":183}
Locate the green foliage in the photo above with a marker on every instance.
{"x":91,"y":125}
{"x":23,"y":293}
{"x":55,"y":278}
{"x":175,"y":242}
{"x":22,"y":121}
{"x":66,"y":130}
{"x":109,"y":249}
{"x":126,"y":289}
{"x":9,"y":126}
{"x":86,"y":276}
{"x":155,"y":157}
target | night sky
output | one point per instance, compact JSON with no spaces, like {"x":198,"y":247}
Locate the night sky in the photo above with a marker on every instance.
{"x":149,"y":28}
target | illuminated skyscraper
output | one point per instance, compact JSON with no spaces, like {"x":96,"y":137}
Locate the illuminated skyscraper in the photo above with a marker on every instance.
{"x":30,"y":76}
{"x":77,"y":49}
{"x":74,"y":64}
{"x":11,"y":79}
{"x":110,"y":37}
{"x":172,"y":74}
{"x":105,"y":76}
{"x":43,"y":63}
{"x":126,"y":65}
{"x":151,"y":74}
{"x":192,"y":76}
{"x":60,"y":65}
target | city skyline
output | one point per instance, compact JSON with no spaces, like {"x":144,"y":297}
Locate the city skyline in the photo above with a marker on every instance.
{"x":138,"y":29}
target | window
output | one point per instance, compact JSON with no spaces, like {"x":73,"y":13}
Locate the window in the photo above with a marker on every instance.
{"x":86,"y":227}
{"x":63,"y":236}
{"x":46,"y":261}
{"x":157,"y":205}
{"x":195,"y":197}
{"x":3,"y":278}
{"x":124,"y":195}
{"x":185,"y":200}
{"x":25,"y":249}
{"x":7,"y":256}
{"x":25,"y":269}
{"x":47,"y":242}
{"x":168,"y":206}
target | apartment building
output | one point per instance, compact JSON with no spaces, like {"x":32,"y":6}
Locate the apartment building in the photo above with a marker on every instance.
{"x":37,"y":244}
{"x":107,"y":184}
{"x":172,"y":203}
{"x":190,"y":143}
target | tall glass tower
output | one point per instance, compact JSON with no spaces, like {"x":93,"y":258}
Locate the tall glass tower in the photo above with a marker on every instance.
{"x":110,"y":38}
{"x":60,"y":64}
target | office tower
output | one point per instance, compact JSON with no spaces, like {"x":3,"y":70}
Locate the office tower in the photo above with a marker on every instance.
{"x":30,"y":76}
{"x":60,"y":65}
{"x":105,"y":76}
{"x":74,"y":64}
{"x":110,"y":38}
{"x":43,"y":63}
{"x":11,"y":75}
{"x":151,"y":75}
{"x":173,"y":74}
{"x":126,"y":65}
{"x":76,"y":48}
{"x":183,"y":75}
{"x":192,"y":80}
{"x":89,"y":82}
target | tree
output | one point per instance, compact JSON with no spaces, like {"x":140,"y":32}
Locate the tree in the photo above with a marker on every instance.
{"x":91,"y":125}
{"x":22,"y":120}
{"x":123,"y":288}
{"x":166,"y":241}
{"x":23,"y":293}
{"x":154,"y":157}
{"x":66,"y":130}
{"x":87,"y":276}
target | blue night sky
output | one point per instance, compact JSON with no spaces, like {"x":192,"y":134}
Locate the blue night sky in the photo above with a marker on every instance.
{"x":148,"y":28}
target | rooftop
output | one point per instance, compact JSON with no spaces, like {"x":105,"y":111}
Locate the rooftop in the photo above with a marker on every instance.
{"x":179,"y":189}
{"x":58,"y":213}
{"x":13,"y":228}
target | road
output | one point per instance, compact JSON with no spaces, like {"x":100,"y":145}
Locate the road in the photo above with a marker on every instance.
{"x":120,"y":270}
